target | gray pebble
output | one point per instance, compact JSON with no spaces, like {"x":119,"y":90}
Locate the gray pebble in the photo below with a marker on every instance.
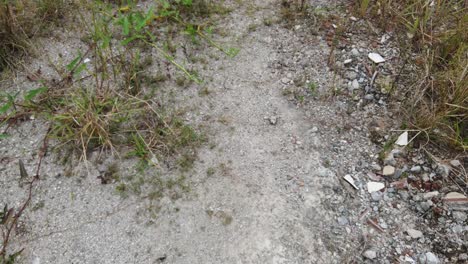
{"x":370,"y":254}
{"x":460,"y":217}
{"x":416,"y":169}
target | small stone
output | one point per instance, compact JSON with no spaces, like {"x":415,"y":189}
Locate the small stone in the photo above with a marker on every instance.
{"x":36,"y":260}
{"x":383,"y":225}
{"x":342,"y":220}
{"x":348,"y":61}
{"x":398,"y":173}
{"x":324,"y":172}
{"x":369,"y":97}
{"x":429,"y":258}
{"x":355,"y":52}
{"x":273,"y":120}
{"x":350,"y":180}
{"x":402,"y":139}
{"x":416,"y":169}
{"x":314,"y":130}
{"x":403,"y":194}
{"x":370,"y":254}
{"x":426,"y":205}
{"x":355,"y":84}
{"x":425,"y":177}
{"x":397,"y":152}
{"x":376,"y":196}
{"x":390,"y":160}
{"x":430,"y":195}
{"x":384,"y":38}
{"x":463,"y":257}
{"x":102,"y":168}
{"x":388,"y":170}
{"x":460,"y":217}
{"x":413,"y":233}
{"x":443,"y":169}
{"x":351,"y":75}
{"x":285,"y":80}
{"x":376,"y":167}
{"x":375,"y":57}
{"x":457,"y":229}
{"x":455,"y":163}
{"x":375,"y":186}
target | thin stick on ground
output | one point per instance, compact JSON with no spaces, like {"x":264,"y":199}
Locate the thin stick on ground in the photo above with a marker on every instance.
{"x":10,"y":225}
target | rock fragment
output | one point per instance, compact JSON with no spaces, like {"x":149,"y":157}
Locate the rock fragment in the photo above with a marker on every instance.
{"x":429,"y":258}
{"x":455,"y":163}
{"x":390,"y":159}
{"x":375,"y":57}
{"x":375,"y":186}
{"x":456,"y":201}
{"x":459,"y":217}
{"x":413,"y":233}
{"x":388,"y":170}
{"x":370,"y":254}
{"x":402,"y":139}
{"x":273,"y":120}
{"x":416,"y":169}
{"x":443,"y":169}
{"x":430,"y":195}
{"x":350,"y":180}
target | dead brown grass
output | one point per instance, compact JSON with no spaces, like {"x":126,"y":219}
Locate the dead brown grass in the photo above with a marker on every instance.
{"x":434,"y":37}
{"x":20,"y":21}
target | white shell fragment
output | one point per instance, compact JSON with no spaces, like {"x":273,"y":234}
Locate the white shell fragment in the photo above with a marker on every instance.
{"x":402,"y":139}
{"x":375,"y":57}
{"x":350,"y":180}
{"x":86,"y":60}
{"x":375,"y":186}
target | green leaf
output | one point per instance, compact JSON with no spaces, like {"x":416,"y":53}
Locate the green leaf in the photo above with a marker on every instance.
{"x":232,"y":52}
{"x":74,"y":62}
{"x":191,"y":30}
{"x":187,"y":2}
{"x":79,"y":69}
{"x":33,"y":93}
{"x":130,"y":39}
{"x":6,"y":107}
{"x":3,"y":136}
{"x":126,"y":26}
{"x":166,"y":5}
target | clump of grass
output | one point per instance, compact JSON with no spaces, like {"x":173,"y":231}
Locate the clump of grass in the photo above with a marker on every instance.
{"x":89,"y":120}
{"x":438,"y":90}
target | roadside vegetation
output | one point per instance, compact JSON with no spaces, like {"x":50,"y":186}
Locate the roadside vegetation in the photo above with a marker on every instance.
{"x":433,"y":40}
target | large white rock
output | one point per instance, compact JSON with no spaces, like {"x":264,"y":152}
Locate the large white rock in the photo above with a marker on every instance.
{"x":375,"y":57}
{"x":375,"y":186}
{"x":402,"y":139}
